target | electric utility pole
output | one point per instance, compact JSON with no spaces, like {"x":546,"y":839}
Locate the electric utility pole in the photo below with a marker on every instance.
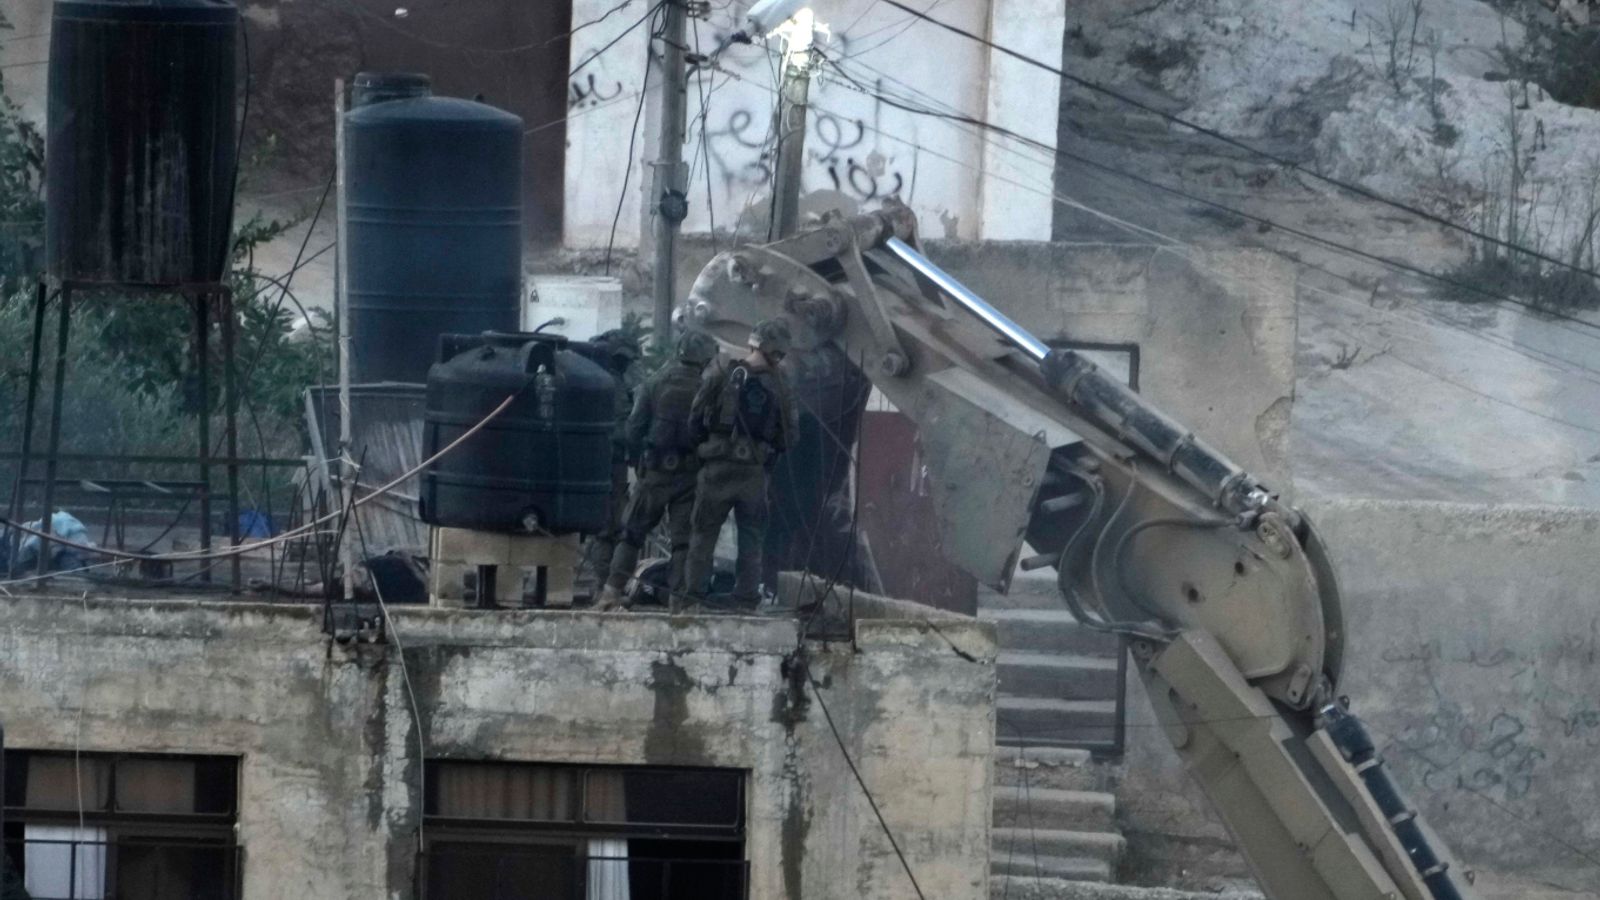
{"x":667,"y":195}
{"x":793,"y":96}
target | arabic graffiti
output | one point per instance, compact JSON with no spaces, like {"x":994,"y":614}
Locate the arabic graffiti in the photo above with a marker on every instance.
{"x":1498,"y":751}
{"x":589,"y":91}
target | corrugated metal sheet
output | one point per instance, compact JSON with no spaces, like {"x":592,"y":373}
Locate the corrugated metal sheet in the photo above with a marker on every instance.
{"x":386,"y":440}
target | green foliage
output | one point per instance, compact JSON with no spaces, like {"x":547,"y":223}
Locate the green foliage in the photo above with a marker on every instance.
{"x":1507,"y":214}
{"x":1564,"y":61}
{"x":1559,"y":56}
{"x":153,"y":338}
{"x":101,"y":414}
{"x":132,"y":385}
{"x":21,"y":192}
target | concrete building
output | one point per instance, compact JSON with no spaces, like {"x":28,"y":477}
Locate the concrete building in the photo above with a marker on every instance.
{"x":1471,"y":627}
{"x":499,"y":754}
{"x":963,"y":183}
{"x":580,"y":98}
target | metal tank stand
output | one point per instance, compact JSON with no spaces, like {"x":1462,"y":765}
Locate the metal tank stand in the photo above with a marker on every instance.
{"x":204,"y":296}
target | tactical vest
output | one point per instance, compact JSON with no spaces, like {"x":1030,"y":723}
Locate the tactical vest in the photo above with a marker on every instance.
{"x":750,"y":407}
{"x":670,"y":439}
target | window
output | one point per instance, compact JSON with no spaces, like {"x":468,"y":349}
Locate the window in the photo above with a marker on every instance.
{"x":97,"y":826}
{"x":1120,"y":360}
{"x":512,"y":831}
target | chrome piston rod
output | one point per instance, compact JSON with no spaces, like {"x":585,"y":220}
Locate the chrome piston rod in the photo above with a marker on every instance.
{"x":994,"y":318}
{"x":1105,"y":399}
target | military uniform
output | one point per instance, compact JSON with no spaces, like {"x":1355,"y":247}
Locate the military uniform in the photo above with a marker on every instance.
{"x":745,"y":419}
{"x":623,"y":354}
{"x":659,"y":433}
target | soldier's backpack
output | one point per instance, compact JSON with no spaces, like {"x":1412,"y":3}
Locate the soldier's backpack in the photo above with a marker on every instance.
{"x":750,"y":406}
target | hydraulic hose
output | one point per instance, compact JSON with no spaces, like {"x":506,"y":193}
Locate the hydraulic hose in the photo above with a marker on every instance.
{"x":1353,"y":740}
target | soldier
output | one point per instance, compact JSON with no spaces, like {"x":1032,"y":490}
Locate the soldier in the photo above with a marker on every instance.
{"x":744,"y":418}
{"x":660,"y":439}
{"x":621,"y":352}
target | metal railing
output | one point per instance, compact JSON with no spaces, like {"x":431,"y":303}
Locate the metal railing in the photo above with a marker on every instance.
{"x":533,"y":872}
{"x":127,"y":869}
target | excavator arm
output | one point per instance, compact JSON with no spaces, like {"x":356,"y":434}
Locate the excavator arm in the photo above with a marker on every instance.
{"x":1225,"y":593}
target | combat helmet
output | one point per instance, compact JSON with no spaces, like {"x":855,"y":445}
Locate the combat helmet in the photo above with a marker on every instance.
{"x":772,"y":337}
{"x":696,"y":348}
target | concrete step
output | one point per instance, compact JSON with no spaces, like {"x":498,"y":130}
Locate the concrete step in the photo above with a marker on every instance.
{"x":1029,"y":590}
{"x":1054,"y":868}
{"x":1048,"y":631}
{"x":1038,"y":770}
{"x":1027,"y":806}
{"x":1056,"y":853}
{"x":1019,"y":755}
{"x":1059,"y":842}
{"x":1065,"y":676}
{"x":1028,"y":887}
{"x":1053,"y":722}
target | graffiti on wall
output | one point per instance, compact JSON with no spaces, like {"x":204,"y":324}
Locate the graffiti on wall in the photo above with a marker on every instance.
{"x":588,"y":91}
{"x":1502,"y":745}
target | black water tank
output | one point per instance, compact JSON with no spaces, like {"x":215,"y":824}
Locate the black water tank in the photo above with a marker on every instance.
{"x":435,"y":229}
{"x":140,"y":144}
{"x":542,"y":465}
{"x":378,"y":87}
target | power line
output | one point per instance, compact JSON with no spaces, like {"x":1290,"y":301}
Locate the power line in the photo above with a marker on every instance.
{"x":1179,"y":244}
{"x":633,"y":136}
{"x":614,"y":41}
{"x":907,"y":24}
{"x":1089,"y":162}
{"x":1277,"y":159}
{"x":816,"y":691}
{"x":473,"y":48}
{"x":1535,"y":354}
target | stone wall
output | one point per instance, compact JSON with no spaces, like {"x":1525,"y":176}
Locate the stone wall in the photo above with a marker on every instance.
{"x":1474,"y":654}
{"x":329,"y":746}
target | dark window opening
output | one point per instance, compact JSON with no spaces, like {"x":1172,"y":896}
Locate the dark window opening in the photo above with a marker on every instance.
{"x":95,"y":826}
{"x":1119,"y":359}
{"x":507,"y":831}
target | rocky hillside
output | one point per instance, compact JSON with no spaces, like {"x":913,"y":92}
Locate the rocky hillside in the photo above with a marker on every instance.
{"x":1409,"y":386}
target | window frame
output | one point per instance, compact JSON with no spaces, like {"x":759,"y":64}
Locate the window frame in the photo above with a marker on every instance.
{"x":513,"y":831}
{"x":122,"y":830}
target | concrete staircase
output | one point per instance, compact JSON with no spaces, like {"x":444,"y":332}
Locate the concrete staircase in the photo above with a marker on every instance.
{"x":1054,"y":814}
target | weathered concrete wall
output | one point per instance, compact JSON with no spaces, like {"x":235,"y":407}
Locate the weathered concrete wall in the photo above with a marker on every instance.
{"x":859,"y":149}
{"x":1474,"y":652}
{"x":329,"y":747}
{"x":1215,"y":328}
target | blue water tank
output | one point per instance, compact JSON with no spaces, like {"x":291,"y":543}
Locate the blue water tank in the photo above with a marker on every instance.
{"x":434,"y":227}
{"x":544,"y":465}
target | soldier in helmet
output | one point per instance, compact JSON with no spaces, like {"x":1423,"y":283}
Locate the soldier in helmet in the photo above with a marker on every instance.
{"x":661,"y":441}
{"x":620,"y":354}
{"x":744,"y":418}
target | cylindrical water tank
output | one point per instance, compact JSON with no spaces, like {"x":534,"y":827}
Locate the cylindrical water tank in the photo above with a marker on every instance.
{"x":140,"y":140}
{"x":543,"y":465}
{"x":434,"y":187}
{"x":378,"y":87}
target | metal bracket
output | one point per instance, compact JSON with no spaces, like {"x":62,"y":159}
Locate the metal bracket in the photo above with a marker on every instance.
{"x":892,"y":359}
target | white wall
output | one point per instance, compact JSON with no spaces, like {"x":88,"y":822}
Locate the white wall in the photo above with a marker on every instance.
{"x":963,"y":184}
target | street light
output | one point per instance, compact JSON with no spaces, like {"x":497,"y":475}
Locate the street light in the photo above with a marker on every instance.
{"x":768,"y":16}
